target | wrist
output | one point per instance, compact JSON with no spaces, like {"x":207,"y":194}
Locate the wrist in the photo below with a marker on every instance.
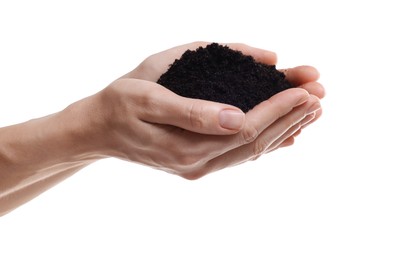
{"x":83,"y":130}
{"x":64,"y":138}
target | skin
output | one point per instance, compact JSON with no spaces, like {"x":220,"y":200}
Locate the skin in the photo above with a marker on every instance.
{"x":137,"y":120}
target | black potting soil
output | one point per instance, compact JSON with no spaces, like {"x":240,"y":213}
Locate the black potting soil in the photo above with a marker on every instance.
{"x":218,"y":73}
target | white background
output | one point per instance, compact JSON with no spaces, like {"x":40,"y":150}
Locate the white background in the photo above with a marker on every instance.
{"x":330,"y":196}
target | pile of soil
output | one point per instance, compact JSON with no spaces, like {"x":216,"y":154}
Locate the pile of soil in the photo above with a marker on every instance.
{"x":218,"y":73}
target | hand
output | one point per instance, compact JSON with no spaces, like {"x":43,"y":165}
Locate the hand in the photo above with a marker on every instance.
{"x":137,"y":120}
{"x":188,"y":137}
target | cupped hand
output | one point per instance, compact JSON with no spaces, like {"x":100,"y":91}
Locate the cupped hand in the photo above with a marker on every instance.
{"x":149,"y":124}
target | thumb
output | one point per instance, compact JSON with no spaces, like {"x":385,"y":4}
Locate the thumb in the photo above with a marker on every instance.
{"x":196,"y":115}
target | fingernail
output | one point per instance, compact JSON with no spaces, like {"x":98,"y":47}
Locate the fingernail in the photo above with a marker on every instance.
{"x":316,"y":106}
{"x":231,"y":119}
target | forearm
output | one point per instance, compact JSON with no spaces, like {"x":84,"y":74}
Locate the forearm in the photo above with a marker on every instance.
{"x":37,"y":154}
{"x":22,"y":194}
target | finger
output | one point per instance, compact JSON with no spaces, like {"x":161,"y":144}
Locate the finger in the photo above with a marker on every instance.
{"x":267,"y":112}
{"x":308,"y":120}
{"x":281,"y":130}
{"x":238,"y":148}
{"x":297,"y":133}
{"x":200,"y":116}
{"x":287,"y":142}
{"x":314,"y":88}
{"x":230,"y":150}
{"x":260,"y":55}
{"x":286,"y":126}
{"x":291,"y":133}
{"x":301,"y":75}
{"x":317,"y":115}
{"x":287,"y":139}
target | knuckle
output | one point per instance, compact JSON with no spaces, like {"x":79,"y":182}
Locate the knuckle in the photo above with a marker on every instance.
{"x":279,"y":112}
{"x":249,"y":134}
{"x":260,"y":147}
{"x":195,"y":116}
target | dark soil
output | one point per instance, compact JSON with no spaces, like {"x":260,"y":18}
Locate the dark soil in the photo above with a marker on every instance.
{"x":220,"y":74}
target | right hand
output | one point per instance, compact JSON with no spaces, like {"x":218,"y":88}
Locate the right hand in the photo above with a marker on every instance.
{"x":145,"y":123}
